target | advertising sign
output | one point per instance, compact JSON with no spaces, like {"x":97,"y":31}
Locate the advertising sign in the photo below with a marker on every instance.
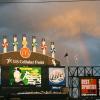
{"x":56,"y":76}
{"x":88,"y":87}
{"x":25,"y":75}
{"x":0,"y":75}
{"x":99,"y":87}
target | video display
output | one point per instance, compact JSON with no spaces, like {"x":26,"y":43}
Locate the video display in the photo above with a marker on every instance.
{"x":0,"y":75}
{"x":56,"y":76}
{"x":88,"y":87}
{"x":99,"y":87}
{"x":25,"y":75}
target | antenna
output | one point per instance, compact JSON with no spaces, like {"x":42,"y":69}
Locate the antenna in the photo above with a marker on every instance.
{"x":76,"y":60}
{"x":67,"y":58}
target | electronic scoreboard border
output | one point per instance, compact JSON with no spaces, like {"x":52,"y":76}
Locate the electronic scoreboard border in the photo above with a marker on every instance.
{"x":97,"y":85}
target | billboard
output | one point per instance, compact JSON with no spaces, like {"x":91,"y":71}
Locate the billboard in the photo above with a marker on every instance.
{"x":57,"y":76}
{"x":99,"y":87}
{"x":0,"y":75}
{"x":25,"y":75}
{"x":88,"y":87}
{"x":16,"y":59}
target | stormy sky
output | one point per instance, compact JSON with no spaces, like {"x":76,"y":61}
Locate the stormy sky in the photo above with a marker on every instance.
{"x":73,"y":26}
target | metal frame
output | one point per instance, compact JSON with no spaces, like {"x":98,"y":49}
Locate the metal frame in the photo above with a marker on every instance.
{"x":74,"y":72}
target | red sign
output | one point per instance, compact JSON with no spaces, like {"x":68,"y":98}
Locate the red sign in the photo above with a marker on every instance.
{"x":25,"y":52}
{"x":88,"y":87}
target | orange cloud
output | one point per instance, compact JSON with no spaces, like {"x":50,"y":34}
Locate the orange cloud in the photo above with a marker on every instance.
{"x":73,"y":22}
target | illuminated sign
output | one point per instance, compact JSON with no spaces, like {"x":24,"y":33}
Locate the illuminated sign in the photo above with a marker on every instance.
{"x":19,"y":61}
{"x":16,"y":59}
{"x":25,"y":75}
{"x":0,"y":75}
{"x":88,"y":87}
{"x":25,"y":52}
{"x":99,"y":87}
{"x":56,"y":76}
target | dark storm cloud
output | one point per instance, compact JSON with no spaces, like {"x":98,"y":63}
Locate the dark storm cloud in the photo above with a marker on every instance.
{"x":5,"y":2}
{"x":23,"y":17}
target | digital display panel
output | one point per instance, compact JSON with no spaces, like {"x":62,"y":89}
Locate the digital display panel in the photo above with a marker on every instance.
{"x":57,"y":76}
{"x":88,"y":87}
{"x":99,"y":87}
{"x":0,"y":75}
{"x":25,"y":75}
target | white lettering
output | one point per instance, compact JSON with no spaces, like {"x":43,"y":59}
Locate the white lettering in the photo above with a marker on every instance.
{"x":9,"y":60}
{"x":17,"y":61}
{"x":84,"y":81}
{"x":88,"y":86}
{"x":39,"y":62}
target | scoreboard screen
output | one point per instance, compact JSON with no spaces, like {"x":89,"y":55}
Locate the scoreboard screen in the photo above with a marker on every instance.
{"x":88,"y":87}
{"x":99,"y":87}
